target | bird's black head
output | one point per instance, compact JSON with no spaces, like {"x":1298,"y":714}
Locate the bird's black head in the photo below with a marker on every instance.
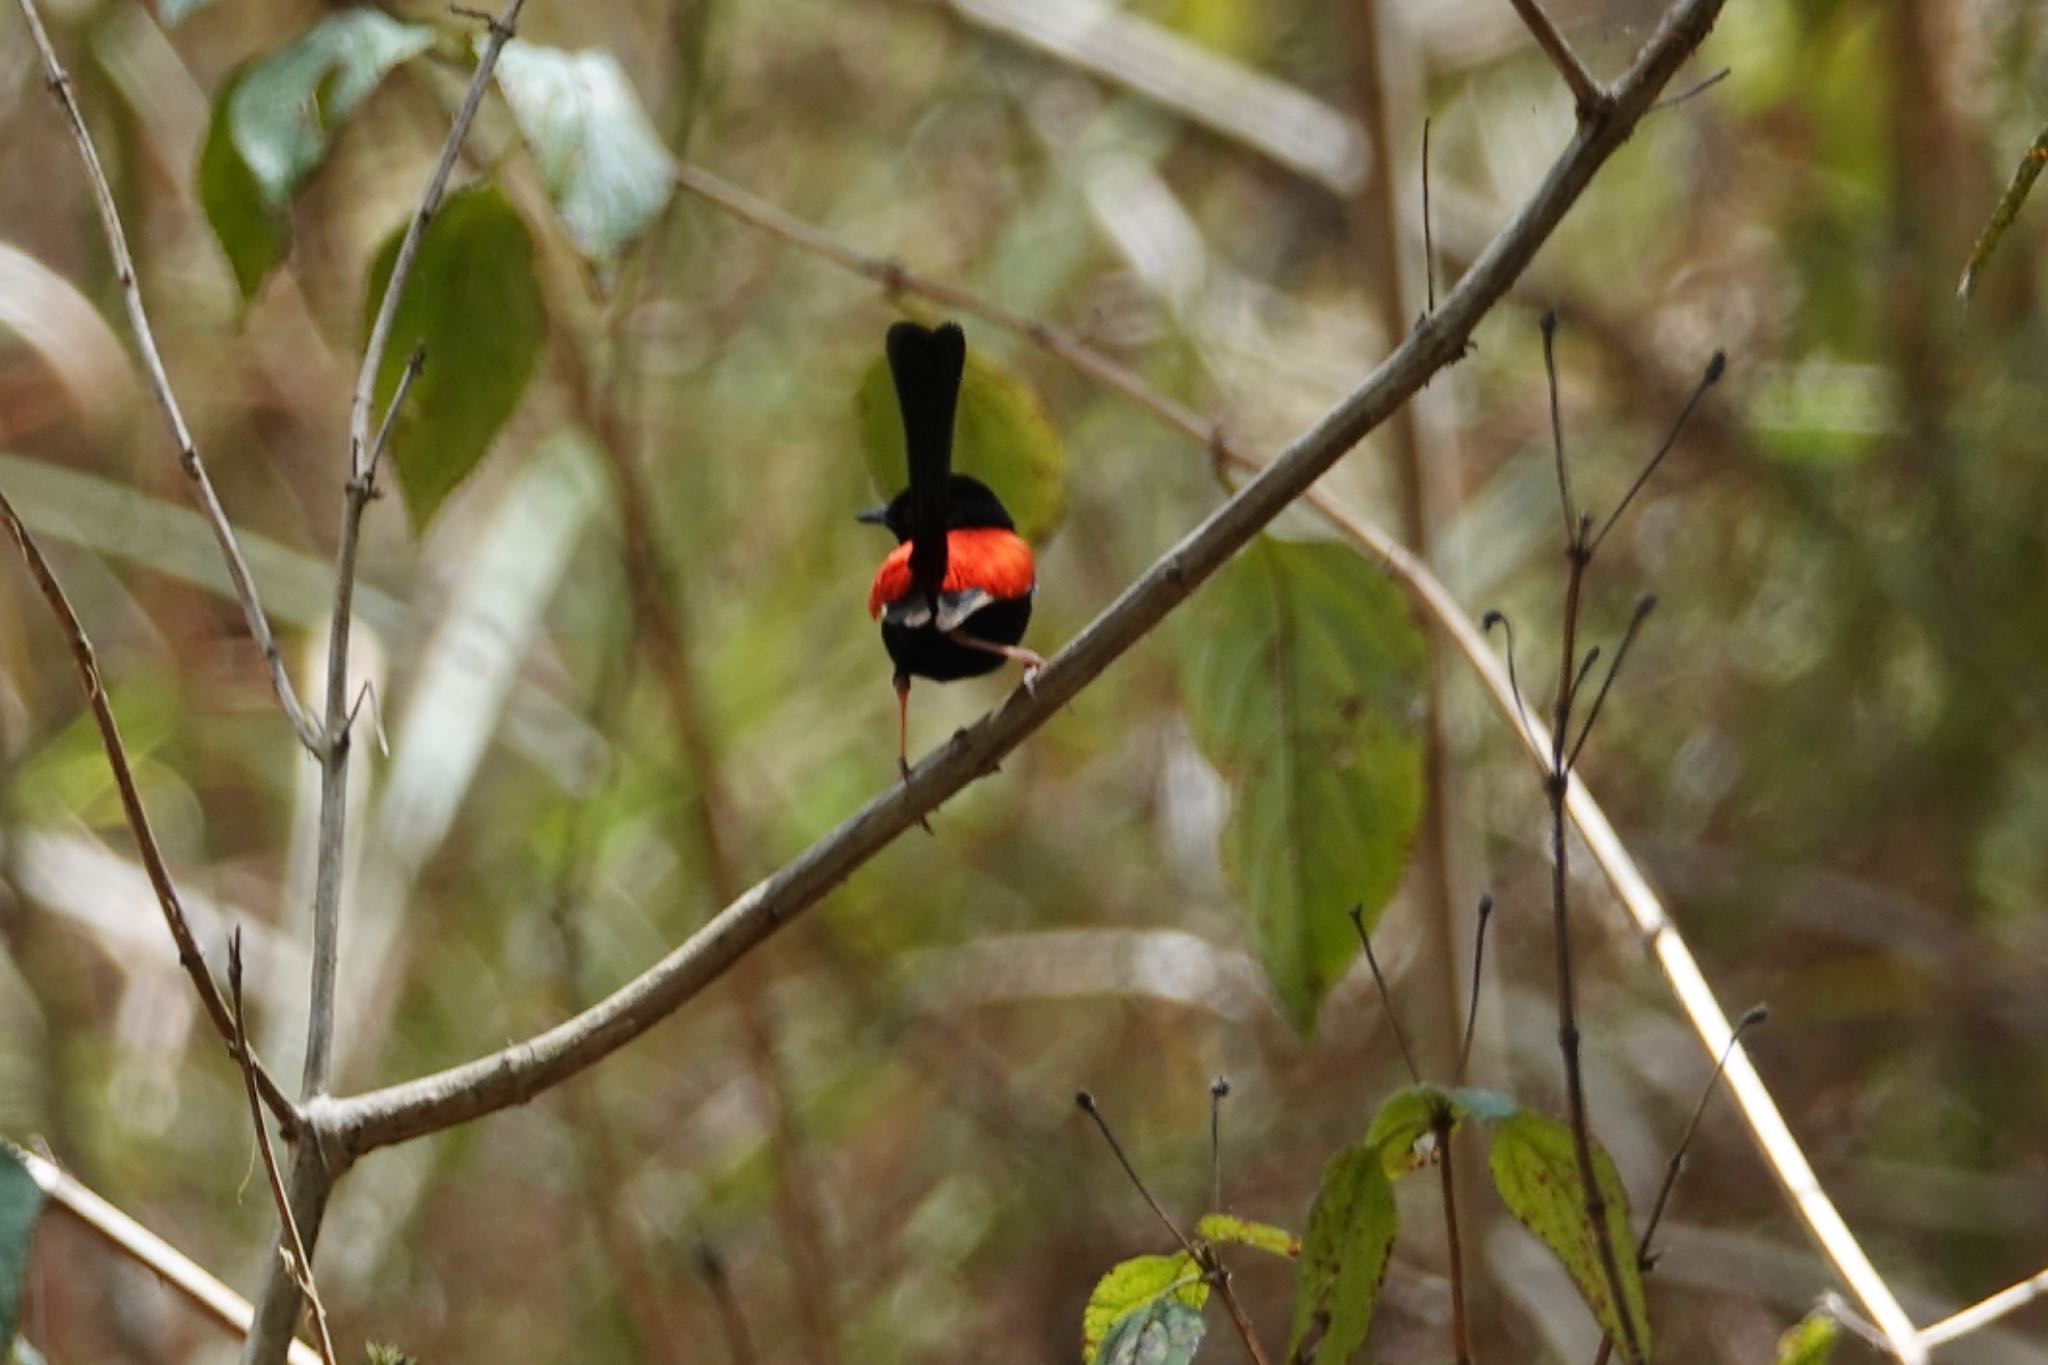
{"x":970,"y":503}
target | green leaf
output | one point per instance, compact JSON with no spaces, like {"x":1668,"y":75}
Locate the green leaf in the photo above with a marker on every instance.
{"x":1401,"y":1121}
{"x":474,"y":303}
{"x":1136,"y":1284}
{"x":1002,"y":436}
{"x":2023,"y":177}
{"x":1304,"y":686}
{"x":1809,"y":1342}
{"x":1344,"y":1254}
{"x":1537,"y":1174}
{"x":604,"y":166}
{"x":1224,"y":1227}
{"x":1163,"y":1332}
{"x":382,"y":1354}
{"x":20,"y":1200}
{"x":253,"y":233}
{"x":274,"y":121}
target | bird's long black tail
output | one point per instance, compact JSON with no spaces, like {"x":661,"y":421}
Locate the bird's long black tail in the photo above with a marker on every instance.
{"x":926,"y":364}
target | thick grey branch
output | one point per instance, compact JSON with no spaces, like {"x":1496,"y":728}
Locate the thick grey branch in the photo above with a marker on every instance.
{"x":517,"y":1073}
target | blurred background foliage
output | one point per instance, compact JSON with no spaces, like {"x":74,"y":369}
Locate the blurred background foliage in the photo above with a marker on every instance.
{"x":1832,"y":753}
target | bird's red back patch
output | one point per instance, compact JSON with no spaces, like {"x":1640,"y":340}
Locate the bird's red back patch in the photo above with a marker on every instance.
{"x":995,"y":561}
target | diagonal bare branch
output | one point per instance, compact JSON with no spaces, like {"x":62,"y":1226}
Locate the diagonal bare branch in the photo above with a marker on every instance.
{"x":189,"y":956}
{"x":514,"y":1074}
{"x":160,"y":384}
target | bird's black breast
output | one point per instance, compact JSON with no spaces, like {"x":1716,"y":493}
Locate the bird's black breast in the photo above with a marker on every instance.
{"x":925,"y":652}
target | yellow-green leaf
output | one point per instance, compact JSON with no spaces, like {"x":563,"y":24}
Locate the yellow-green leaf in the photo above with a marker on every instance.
{"x":1224,"y":1227}
{"x":1343,"y":1256}
{"x":474,"y":304}
{"x":1001,"y":435}
{"x":1536,"y":1171}
{"x":1811,"y":1341}
{"x":1304,"y":682}
{"x":1132,"y":1285}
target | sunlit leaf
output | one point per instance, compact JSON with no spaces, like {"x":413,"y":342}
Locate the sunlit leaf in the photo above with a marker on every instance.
{"x":1001,"y":436}
{"x":1344,"y":1255}
{"x":474,"y":303}
{"x":1163,"y":1332}
{"x":274,"y":121}
{"x":2023,"y":177}
{"x":1224,"y":1227}
{"x":606,"y":170}
{"x":1304,"y":683}
{"x":1134,"y":1284}
{"x":1811,"y":1341}
{"x":1535,"y":1170}
{"x":20,"y":1200}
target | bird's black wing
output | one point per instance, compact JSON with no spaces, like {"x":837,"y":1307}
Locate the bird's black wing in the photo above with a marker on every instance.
{"x":926,"y":364}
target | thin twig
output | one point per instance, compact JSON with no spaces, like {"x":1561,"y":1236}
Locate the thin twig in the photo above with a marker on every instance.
{"x":1755,"y":1015}
{"x":131,"y":1239}
{"x":160,"y":384}
{"x":1696,"y":88}
{"x":302,"y":1264}
{"x":1644,"y":605}
{"x":1472,"y":1009}
{"x":1386,"y":997}
{"x":189,"y":956}
{"x":1461,"y":1341}
{"x":1428,"y":227}
{"x":1085,"y":1102}
{"x":1587,"y":95}
{"x":1716,"y":367}
{"x":1578,"y":556}
{"x":1986,"y":1311}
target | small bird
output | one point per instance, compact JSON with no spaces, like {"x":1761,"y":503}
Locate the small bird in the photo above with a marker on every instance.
{"x":955,"y":594}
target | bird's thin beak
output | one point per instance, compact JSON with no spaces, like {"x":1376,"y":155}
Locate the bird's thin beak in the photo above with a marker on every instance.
{"x":875,"y":516}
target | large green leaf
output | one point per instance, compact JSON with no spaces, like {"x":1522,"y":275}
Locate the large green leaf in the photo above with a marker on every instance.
{"x":474,"y":304}
{"x":274,"y":121}
{"x":1304,"y":685}
{"x":1537,"y":1174}
{"x":1344,"y":1255}
{"x":1163,"y":1332}
{"x":1133,"y":1285}
{"x":605,"y":168}
{"x":20,"y":1200}
{"x":1002,"y":436}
